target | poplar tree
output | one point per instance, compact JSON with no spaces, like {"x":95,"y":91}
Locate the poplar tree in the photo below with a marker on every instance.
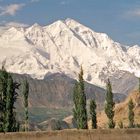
{"x":93,"y":114}
{"x":79,"y":98}
{"x":109,"y":105}
{"x":76,"y":103}
{"x":8,"y":96}
{"x":131,"y":113}
{"x":1,"y":105}
{"x":25,"y":92}
{"x":9,"y":105}
{"x":16,"y":124}
{"x":3,"y":88}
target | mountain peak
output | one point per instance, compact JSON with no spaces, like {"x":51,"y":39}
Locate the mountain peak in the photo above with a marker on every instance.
{"x":12,"y":29}
{"x":73,"y":23}
{"x":58,"y":23}
{"x":62,"y":47}
{"x":71,"y":20}
{"x":56,"y":27}
{"x":35,"y":25}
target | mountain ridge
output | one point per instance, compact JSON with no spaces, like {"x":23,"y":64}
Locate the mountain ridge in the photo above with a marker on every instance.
{"x":63,"y":47}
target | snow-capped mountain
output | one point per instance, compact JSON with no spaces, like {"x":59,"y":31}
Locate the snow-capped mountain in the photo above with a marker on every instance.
{"x":63,"y":47}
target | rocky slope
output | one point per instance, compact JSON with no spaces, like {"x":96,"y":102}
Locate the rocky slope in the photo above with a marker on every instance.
{"x":56,"y":91}
{"x":52,"y":97}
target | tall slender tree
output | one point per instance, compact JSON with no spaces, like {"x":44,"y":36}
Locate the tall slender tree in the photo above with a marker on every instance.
{"x":109,"y":105}
{"x":3,"y":90}
{"x":93,"y":114}
{"x":76,"y":103}
{"x":1,"y":106}
{"x":25,"y":92}
{"x":9,"y":105}
{"x":83,"y":118}
{"x":16,"y":124}
{"x":8,"y":96}
{"x":79,"y":98}
{"x":131,"y":113}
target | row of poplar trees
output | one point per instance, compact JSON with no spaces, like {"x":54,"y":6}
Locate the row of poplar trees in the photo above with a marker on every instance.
{"x":80,"y":111}
{"x":8,"y":97}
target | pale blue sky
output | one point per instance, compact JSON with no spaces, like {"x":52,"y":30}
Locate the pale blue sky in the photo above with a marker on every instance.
{"x":120,"y":19}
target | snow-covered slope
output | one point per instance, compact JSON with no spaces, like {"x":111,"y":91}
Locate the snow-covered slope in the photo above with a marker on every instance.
{"x":63,"y":47}
{"x":134,"y":53}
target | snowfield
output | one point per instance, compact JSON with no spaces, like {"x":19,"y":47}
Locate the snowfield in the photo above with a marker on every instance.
{"x":63,"y":47}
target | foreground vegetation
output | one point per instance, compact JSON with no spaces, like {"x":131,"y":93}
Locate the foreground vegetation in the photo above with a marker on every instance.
{"x":8,"y":97}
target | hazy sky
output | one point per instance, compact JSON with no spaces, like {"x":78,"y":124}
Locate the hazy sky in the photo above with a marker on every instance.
{"x":120,"y":19}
